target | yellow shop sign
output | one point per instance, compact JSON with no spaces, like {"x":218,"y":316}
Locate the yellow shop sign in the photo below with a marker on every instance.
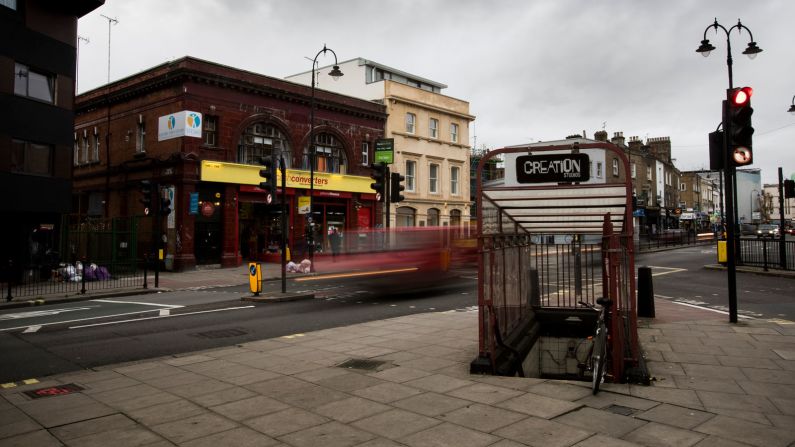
{"x":222,"y":172}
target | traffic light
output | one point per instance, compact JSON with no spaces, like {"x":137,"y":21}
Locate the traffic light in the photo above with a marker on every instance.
{"x":146,"y":192}
{"x":381,"y":176}
{"x":739,"y":131}
{"x":165,"y":206}
{"x":789,"y":189}
{"x":395,"y":188}
{"x":268,"y":174}
{"x":716,"y":155}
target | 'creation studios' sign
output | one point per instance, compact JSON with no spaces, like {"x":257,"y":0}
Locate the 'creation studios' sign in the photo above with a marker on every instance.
{"x":557,"y":168}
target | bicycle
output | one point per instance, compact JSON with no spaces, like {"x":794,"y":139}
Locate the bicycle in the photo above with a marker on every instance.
{"x":597,"y":355}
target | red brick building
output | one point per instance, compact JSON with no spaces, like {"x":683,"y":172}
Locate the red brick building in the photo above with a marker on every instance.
{"x":197,"y":130}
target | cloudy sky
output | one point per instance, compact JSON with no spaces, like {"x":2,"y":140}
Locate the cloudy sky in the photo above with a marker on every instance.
{"x":531,"y":70}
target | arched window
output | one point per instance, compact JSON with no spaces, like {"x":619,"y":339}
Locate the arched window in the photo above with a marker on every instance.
{"x":455,"y":218}
{"x":405,"y":217}
{"x":261,"y":140}
{"x":433,"y":217}
{"x":329,"y":153}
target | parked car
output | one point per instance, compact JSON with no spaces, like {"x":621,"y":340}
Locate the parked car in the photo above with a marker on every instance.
{"x":767,"y":230}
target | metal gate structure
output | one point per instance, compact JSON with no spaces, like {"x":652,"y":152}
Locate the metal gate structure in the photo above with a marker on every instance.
{"x":543,"y":246}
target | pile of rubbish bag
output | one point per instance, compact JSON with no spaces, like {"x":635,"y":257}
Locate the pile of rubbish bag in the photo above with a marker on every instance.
{"x":304,"y":267}
{"x":75,"y":273}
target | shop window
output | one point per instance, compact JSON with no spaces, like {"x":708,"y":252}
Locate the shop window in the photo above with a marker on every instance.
{"x":329,"y":155}
{"x":263,"y":140}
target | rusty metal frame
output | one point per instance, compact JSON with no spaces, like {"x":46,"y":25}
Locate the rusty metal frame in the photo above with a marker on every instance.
{"x":609,"y":214}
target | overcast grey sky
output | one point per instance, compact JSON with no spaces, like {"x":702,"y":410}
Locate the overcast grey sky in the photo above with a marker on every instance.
{"x":531,"y":70}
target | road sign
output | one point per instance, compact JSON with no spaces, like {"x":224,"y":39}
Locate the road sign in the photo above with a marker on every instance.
{"x":385,"y":150}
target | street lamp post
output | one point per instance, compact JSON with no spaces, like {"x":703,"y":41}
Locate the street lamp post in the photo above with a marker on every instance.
{"x":334,"y":73}
{"x":730,"y":173}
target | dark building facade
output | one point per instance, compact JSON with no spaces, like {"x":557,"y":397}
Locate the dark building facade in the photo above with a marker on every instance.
{"x":38,"y":41}
{"x":197,"y":130}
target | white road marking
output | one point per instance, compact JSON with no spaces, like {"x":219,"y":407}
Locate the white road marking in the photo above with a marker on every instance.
{"x":42,"y":313}
{"x":670,"y":270}
{"x":158,"y":317}
{"x":165,"y":312}
{"x":170,"y":306}
{"x":32,"y":329}
{"x":80,"y":319}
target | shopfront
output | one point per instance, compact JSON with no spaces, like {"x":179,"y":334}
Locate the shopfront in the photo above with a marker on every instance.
{"x":341,"y":204}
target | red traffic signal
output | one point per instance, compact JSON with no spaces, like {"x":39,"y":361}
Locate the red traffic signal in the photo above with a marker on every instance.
{"x":737,"y":122}
{"x":740,"y":96}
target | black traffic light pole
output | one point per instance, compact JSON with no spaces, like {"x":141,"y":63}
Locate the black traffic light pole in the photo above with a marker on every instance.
{"x":283,"y":170}
{"x":729,"y":185}
{"x":782,"y":247}
{"x":729,"y":169}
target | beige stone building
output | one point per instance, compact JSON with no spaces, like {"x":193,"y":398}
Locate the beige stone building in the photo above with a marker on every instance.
{"x":431,"y":135}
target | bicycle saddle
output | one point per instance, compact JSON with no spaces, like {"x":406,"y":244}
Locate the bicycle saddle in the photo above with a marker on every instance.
{"x":604,"y":302}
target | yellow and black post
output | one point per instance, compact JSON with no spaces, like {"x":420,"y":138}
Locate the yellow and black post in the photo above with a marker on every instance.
{"x":255,"y":277}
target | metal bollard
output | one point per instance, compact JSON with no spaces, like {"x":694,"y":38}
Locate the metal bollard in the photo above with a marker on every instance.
{"x":645,"y":293}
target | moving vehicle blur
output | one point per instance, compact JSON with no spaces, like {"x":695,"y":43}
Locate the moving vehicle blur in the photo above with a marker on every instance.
{"x":767,"y":230}
{"x":400,"y":259}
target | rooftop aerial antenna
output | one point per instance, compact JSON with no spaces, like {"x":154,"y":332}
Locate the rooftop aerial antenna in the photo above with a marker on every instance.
{"x":111,"y":20}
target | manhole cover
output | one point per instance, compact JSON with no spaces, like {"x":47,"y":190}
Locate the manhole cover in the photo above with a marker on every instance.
{"x":367,"y":365}
{"x":620,"y":409}
{"x":221,"y":333}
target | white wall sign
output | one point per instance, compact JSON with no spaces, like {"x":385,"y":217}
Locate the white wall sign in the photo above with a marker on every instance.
{"x":179,"y":124}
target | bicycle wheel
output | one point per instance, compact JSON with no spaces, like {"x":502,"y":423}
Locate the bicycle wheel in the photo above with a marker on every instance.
{"x":598,"y":358}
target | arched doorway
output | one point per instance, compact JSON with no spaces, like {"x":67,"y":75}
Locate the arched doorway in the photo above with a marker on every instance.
{"x":433,"y":217}
{"x":455,"y":218}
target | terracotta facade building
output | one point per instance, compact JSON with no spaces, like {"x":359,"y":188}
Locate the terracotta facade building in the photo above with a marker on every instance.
{"x":197,"y":130}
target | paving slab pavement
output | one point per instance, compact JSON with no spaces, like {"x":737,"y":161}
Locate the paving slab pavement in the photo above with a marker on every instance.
{"x":714,"y":384}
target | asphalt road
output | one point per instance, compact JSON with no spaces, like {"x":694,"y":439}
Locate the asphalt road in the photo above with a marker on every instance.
{"x":62,"y":338}
{"x":85,"y":334}
{"x":679,"y":275}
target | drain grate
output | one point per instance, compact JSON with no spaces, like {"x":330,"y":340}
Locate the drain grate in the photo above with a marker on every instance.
{"x":221,"y":333}
{"x":58,"y":390}
{"x":366,"y":365}
{"x":620,"y":409}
